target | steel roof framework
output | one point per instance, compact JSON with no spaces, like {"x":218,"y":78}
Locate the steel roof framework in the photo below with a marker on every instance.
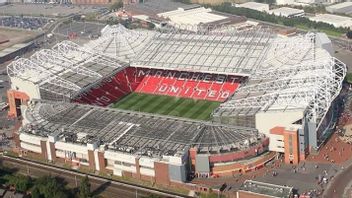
{"x":139,"y":133}
{"x":47,"y":66}
{"x":285,"y":73}
{"x":118,"y":42}
{"x":229,"y":52}
{"x":312,"y":90}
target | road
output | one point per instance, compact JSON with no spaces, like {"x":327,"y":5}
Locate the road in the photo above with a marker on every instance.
{"x":101,"y":186}
{"x":339,"y":184}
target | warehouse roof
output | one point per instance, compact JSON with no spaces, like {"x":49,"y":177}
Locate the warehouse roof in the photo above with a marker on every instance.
{"x":287,"y":12}
{"x":340,"y":5}
{"x":255,"y":6}
{"x":335,"y":20}
{"x":199,"y":15}
{"x":14,"y":48}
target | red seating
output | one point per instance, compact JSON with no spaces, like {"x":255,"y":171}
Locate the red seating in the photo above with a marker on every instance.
{"x":188,"y":85}
{"x":173,"y":83}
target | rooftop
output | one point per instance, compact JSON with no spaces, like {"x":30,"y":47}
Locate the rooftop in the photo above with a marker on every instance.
{"x":153,"y":7}
{"x":14,"y":48}
{"x":340,"y":5}
{"x":267,"y":189}
{"x":212,"y":53}
{"x":286,"y":11}
{"x":255,"y":6}
{"x":118,"y":42}
{"x":65,"y":69}
{"x":333,"y":19}
{"x":296,"y":75}
{"x":195,"y":16}
{"x":139,"y":133}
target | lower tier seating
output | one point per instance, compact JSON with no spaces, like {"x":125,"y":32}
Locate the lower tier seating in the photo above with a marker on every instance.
{"x":189,"y":85}
{"x":199,"y":86}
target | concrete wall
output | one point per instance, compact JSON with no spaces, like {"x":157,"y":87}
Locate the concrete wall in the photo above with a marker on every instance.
{"x":267,"y":120}
{"x":178,"y":173}
{"x":291,"y":146}
{"x":31,"y":147}
{"x":118,"y":156}
{"x":147,"y":162}
{"x":25,"y":86}
{"x":276,"y":143}
{"x":82,"y":149}
{"x":162,"y":173}
{"x":31,"y":138}
{"x":12,"y":95}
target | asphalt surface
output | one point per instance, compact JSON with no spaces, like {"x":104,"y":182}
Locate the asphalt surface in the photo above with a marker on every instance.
{"x":99,"y":186}
{"x":82,"y":29}
{"x":339,"y":184}
{"x":49,"y":10}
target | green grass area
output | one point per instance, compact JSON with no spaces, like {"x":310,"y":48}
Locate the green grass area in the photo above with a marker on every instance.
{"x":167,"y":105}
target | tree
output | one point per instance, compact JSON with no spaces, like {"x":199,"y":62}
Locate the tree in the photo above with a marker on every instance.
{"x":84,"y":188}
{"x":151,"y":25}
{"x":117,"y":5}
{"x":20,"y":182}
{"x":50,"y":188}
{"x":112,"y":21}
{"x":299,"y":22}
{"x":348,"y":77}
{"x":35,"y":193}
{"x":349,"y":34}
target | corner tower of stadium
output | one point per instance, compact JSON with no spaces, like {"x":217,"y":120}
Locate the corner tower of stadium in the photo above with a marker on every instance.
{"x":277,"y":94}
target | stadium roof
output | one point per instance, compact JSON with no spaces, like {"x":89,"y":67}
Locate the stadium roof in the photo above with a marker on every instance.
{"x":228,"y":54}
{"x":139,"y":133}
{"x":298,"y":75}
{"x":65,"y":69}
{"x":285,"y":73}
{"x":118,"y":42}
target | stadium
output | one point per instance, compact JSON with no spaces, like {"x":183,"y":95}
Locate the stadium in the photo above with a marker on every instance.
{"x":166,"y":105}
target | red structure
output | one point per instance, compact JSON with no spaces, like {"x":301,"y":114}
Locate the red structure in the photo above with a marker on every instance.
{"x":200,"y":86}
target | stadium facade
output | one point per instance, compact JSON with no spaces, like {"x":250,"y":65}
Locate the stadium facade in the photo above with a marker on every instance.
{"x":277,"y":94}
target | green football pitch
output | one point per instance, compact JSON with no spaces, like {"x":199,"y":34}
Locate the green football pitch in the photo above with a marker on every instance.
{"x":167,"y":105}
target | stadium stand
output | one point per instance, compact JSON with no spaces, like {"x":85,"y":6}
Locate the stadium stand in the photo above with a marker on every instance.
{"x":199,"y":86}
{"x":188,"y":84}
{"x":265,"y":82}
